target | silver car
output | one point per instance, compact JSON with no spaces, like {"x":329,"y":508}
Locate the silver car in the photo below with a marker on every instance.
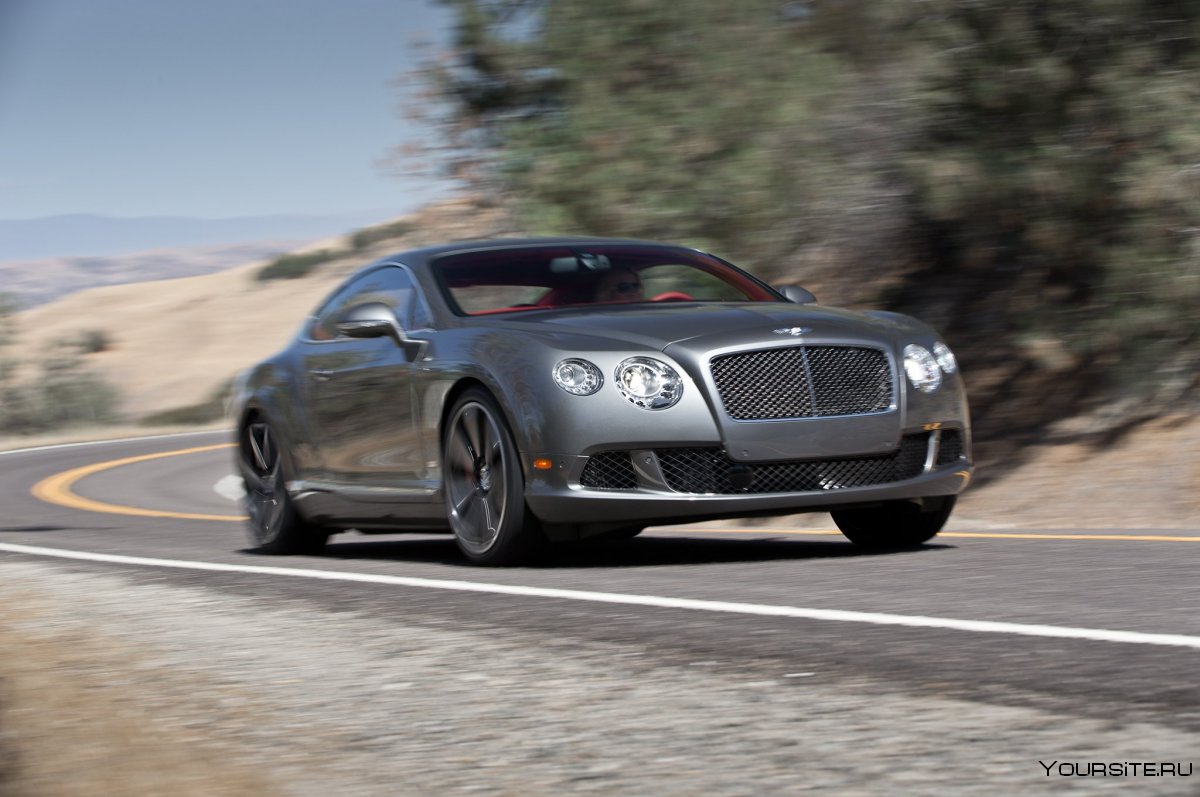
{"x":519,"y":391}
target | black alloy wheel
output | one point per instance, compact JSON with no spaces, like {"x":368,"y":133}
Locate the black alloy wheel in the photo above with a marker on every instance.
{"x":275,"y":526}
{"x":484,"y":487}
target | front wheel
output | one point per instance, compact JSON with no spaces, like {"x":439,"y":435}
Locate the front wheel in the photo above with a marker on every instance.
{"x":484,"y":487}
{"x":895,"y":525}
{"x":275,"y":526}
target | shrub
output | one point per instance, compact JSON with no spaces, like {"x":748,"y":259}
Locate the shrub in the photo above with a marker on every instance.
{"x":64,"y":395}
{"x":94,"y":341}
{"x":295,"y":266}
{"x":384,"y":232}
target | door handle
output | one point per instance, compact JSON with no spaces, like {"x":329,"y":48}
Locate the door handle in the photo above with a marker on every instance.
{"x":321,"y":375}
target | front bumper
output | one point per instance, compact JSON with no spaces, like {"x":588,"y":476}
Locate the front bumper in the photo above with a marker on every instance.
{"x":652,"y":489}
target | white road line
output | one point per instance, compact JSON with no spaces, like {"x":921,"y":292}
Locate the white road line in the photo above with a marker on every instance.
{"x":836,"y":615}
{"x":87,"y":443}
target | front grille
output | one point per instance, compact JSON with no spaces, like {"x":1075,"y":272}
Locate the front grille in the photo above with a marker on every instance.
{"x":708,"y":470}
{"x":951,"y":447}
{"x":803,"y":382}
{"x":609,"y":470}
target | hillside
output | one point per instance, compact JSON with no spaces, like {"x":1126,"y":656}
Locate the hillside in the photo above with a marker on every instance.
{"x":34,"y":282}
{"x":172,"y":343}
{"x":93,"y":235}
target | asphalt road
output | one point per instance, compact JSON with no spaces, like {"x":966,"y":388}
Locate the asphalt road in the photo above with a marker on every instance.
{"x":996,"y":613}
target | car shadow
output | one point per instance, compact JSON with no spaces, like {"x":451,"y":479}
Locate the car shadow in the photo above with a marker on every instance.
{"x":647,"y":551}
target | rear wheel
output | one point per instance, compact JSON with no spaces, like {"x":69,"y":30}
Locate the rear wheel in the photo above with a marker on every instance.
{"x":275,"y":526}
{"x":485,"y":490}
{"x":898,"y":524}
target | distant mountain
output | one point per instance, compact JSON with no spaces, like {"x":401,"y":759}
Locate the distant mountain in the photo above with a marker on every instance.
{"x":86,"y":235}
{"x":34,"y":282}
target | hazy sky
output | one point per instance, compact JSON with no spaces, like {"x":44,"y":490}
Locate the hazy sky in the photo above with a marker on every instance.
{"x":212,"y":108}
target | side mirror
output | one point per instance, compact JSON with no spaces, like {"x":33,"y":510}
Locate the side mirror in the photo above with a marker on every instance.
{"x":794,"y":293}
{"x":374,"y":320}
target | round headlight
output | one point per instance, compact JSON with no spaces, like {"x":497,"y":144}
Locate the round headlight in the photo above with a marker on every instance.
{"x":921,"y":368}
{"x":649,"y":383}
{"x":945,"y":357}
{"x":578,"y":377}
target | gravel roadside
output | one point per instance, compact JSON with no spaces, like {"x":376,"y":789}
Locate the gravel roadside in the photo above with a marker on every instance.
{"x":122,"y":687}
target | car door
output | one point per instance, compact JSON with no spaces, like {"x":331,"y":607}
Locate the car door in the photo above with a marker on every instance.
{"x":361,"y":390}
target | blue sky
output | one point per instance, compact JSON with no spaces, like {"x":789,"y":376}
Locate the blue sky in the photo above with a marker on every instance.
{"x":207,"y":108}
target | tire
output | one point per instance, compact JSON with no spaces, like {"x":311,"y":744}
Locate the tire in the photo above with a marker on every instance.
{"x":484,"y":486}
{"x":274,"y":524}
{"x":896,"y":525}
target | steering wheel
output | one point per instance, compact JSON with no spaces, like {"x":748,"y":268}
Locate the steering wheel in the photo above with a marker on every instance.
{"x":672,"y":296}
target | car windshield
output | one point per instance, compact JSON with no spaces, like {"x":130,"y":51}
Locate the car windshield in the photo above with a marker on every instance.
{"x":532,"y":278}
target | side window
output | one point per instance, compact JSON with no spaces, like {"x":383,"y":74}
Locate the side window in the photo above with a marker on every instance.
{"x":388,"y":285}
{"x":397,"y":292}
{"x":420,"y":316}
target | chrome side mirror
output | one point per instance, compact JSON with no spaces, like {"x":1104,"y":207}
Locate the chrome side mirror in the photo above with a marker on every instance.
{"x":798,"y":295}
{"x":376,"y":320}
{"x":373,"y":320}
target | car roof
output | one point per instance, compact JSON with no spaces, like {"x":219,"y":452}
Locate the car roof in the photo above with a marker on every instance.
{"x":422,"y":257}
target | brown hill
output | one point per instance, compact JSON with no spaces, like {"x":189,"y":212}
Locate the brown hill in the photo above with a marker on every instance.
{"x":172,"y":343}
{"x":35,"y":282}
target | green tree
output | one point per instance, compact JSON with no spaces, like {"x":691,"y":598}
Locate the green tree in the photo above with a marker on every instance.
{"x":1057,"y":190}
{"x":1024,"y":174}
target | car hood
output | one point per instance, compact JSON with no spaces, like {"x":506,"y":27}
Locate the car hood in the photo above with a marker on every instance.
{"x":716,"y":326}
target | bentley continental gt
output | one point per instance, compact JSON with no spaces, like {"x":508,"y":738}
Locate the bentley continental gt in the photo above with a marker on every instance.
{"x":514,"y":392}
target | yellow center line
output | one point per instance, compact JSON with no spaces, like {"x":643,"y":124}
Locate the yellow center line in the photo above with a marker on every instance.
{"x":56,"y":489}
{"x":1043,"y":536}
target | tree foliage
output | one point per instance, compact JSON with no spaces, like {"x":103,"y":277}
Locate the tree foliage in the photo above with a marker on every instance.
{"x":1025,"y":174}
{"x":1059,"y":168}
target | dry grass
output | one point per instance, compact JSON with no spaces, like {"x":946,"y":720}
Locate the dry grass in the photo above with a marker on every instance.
{"x":175,"y":342}
{"x":1145,"y":481}
{"x":74,"y":721}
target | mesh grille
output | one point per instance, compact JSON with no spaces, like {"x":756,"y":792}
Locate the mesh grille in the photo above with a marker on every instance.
{"x":951,"y":448}
{"x":708,"y":470}
{"x":609,"y":470}
{"x":774,"y":383}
